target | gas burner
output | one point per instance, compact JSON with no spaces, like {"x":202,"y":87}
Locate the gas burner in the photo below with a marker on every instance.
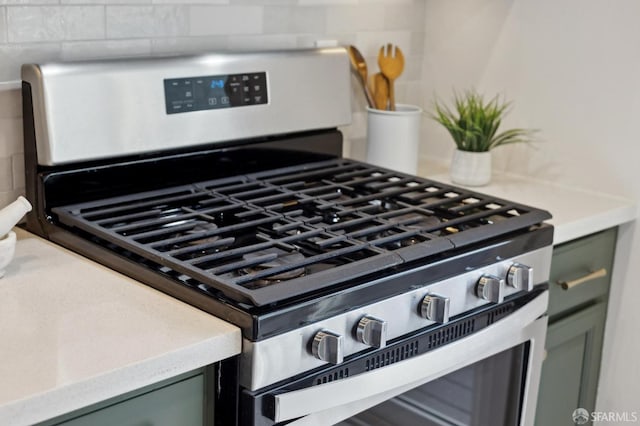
{"x":274,"y":258}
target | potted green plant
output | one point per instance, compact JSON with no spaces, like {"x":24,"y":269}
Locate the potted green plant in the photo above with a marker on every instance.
{"x":473,"y":125}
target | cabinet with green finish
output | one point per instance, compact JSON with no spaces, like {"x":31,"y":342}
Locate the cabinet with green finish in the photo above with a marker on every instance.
{"x":180,"y":401}
{"x":578,"y":292}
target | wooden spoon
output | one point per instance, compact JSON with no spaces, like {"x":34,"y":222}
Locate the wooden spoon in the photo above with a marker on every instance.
{"x":359,"y":66}
{"x":391,"y":63}
{"x":380,"y":91}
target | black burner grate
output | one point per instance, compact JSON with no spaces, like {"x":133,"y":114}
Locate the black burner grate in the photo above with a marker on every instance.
{"x":265,"y":237}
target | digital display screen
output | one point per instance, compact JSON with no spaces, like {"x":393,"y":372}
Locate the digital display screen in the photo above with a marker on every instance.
{"x":215,"y":92}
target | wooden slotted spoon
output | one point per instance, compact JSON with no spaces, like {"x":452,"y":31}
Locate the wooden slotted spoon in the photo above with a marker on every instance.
{"x":391,"y":63}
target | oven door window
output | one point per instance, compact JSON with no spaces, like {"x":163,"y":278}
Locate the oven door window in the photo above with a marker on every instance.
{"x":488,"y":392}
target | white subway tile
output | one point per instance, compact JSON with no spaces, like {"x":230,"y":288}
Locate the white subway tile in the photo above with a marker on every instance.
{"x":264,"y":2}
{"x":282,"y":19}
{"x":29,"y":2}
{"x":3,"y":25}
{"x":190,"y":1}
{"x":10,"y":103}
{"x":146,"y":21}
{"x":179,"y":45}
{"x":107,"y":2}
{"x":409,"y":92}
{"x":47,"y":23}
{"x":17,"y":169}
{"x":129,"y":21}
{"x":417,"y":43}
{"x":350,"y":19}
{"x":392,"y":2}
{"x":12,"y":56}
{"x":10,"y":137}
{"x":400,"y":17}
{"x":6,"y":174}
{"x":100,"y":49}
{"x":230,"y":20}
{"x":8,"y":197}
{"x":170,"y":20}
{"x":325,"y":2}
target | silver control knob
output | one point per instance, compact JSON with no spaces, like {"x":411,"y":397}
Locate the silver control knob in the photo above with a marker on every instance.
{"x":327,"y":346}
{"x":372,"y":331}
{"x":490,"y":288}
{"x":435,"y":308}
{"x":520,"y":276}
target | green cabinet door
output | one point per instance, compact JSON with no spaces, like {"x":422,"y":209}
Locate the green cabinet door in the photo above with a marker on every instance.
{"x":179,"y":403}
{"x":570,"y":370}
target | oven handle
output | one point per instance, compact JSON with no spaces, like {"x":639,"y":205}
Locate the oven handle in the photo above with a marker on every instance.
{"x":501,"y":335}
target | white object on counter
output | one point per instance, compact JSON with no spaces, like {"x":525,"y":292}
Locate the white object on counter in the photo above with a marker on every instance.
{"x":7,"y":250}
{"x":11,"y":214}
{"x":471,"y":168}
{"x":74,"y":333}
{"x":393,"y":137}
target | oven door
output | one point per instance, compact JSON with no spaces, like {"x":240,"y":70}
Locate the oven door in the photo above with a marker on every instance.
{"x":489,"y":377}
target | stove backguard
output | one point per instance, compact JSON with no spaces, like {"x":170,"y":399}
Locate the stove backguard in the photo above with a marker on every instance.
{"x":96,"y":110}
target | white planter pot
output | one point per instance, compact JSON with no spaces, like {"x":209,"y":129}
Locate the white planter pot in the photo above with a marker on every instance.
{"x":471,"y":168}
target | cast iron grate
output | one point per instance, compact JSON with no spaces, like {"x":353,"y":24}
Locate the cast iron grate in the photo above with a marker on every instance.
{"x":265,"y":237}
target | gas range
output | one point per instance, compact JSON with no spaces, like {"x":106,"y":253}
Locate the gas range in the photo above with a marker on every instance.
{"x":169,"y":170}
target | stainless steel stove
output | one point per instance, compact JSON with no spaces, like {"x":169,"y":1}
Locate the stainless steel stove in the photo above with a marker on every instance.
{"x":219,"y":180}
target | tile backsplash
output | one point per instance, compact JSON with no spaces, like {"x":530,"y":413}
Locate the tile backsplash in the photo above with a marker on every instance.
{"x":66,"y":30}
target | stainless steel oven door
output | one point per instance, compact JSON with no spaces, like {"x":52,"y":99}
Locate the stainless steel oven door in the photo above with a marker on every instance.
{"x":514,"y":344}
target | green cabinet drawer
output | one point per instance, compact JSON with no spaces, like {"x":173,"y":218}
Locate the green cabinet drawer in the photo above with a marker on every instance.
{"x":576,"y":260}
{"x":181,"y":403}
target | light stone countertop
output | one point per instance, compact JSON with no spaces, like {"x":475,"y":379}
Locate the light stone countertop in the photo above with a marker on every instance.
{"x":74,"y":333}
{"x":576,"y":212}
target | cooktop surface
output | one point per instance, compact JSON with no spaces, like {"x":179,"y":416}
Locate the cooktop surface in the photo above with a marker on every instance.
{"x":293,"y":229}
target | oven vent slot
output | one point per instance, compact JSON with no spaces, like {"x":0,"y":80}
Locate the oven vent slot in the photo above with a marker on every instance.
{"x":451,"y":333}
{"x":391,"y":356}
{"x":499,"y":313}
{"x":336,"y":375}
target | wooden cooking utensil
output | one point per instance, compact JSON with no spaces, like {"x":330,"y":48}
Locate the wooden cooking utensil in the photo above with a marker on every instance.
{"x":391,"y":63}
{"x":359,"y":66}
{"x":380,"y":91}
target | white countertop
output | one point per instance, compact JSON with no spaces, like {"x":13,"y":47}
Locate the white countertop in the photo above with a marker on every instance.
{"x":74,"y":333}
{"x":576,"y":212}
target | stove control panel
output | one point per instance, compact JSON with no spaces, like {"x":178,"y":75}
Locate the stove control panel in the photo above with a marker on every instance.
{"x":444,"y":300}
{"x":371,"y":326}
{"x":215,"y":92}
